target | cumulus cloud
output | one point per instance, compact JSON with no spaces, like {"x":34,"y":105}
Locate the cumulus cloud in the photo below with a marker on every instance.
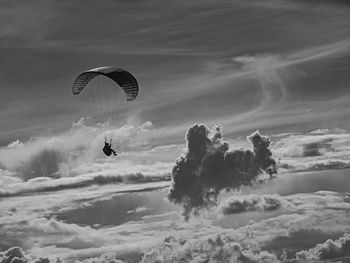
{"x":15,"y":255}
{"x":208,"y":166}
{"x":215,"y":249}
{"x":24,"y":230}
{"x":57,"y":155}
{"x":110,"y":258}
{"x":172,"y":240}
{"x":331,"y":249}
{"x":74,"y":159}
{"x":316,"y":150}
{"x":212,"y":166}
{"x":244,"y":203}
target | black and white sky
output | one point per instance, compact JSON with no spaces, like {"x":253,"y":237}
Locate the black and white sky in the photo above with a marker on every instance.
{"x":269,"y":65}
{"x":275,"y":69}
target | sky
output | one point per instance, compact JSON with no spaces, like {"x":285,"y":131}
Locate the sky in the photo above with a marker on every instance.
{"x":273,"y":65}
{"x":231,"y":92}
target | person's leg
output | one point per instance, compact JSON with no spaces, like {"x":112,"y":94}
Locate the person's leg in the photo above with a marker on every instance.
{"x":113,"y":151}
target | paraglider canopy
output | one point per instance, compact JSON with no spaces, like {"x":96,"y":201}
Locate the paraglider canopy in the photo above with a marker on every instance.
{"x":103,"y":100}
{"x":102,"y":89}
{"x":122,"y":77}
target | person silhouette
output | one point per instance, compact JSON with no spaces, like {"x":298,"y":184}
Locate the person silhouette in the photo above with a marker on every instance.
{"x":107,"y":149}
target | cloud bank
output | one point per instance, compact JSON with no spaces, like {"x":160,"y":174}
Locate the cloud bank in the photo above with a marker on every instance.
{"x":208,"y":166}
{"x":212,"y":249}
{"x":317,"y":150}
{"x":245,"y":203}
{"x":331,"y":249}
{"x":166,"y":238}
{"x":74,"y":159}
{"x":58,"y":155}
{"x":15,"y":255}
{"x":42,"y":184}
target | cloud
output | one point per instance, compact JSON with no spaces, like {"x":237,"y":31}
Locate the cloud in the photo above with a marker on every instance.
{"x":110,"y":258}
{"x":316,"y":150}
{"x":276,"y":74}
{"x":75,"y":159}
{"x":319,"y":52}
{"x":12,"y":255}
{"x":313,"y":149}
{"x":329,"y":250}
{"x":267,"y":71}
{"x":45,"y":163}
{"x":170,"y":238}
{"x":245,"y":203}
{"x":42,"y":184}
{"x":72,"y":160}
{"x":210,"y":249}
{"x":203,"y":147}
{"x":29,"y":232}
{"x":214,"y":248}
{"x":138,"y":210}
{"x":77,"y":153}
{"x":208,"y":166}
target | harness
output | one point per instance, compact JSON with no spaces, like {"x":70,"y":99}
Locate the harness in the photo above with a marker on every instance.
{"x":107,"y":150}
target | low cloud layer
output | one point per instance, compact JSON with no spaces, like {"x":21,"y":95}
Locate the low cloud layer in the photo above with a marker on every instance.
{"x":317,"y":150}
{"x":209,"y":166}
{"x":221,"y":248}
{"x":42,"y":184}
{"x":59,"y":155}
{"x":166,"y":238}
{"x":216,"y":249}
{"x":15,"y":255}
{"x":246,"y":203}
{"x":75,"y":159}
{"x":330,"y":250}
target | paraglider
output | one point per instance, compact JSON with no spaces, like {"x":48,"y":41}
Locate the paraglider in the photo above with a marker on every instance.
{"x":104,"y":100}
{"x":122,"y":77}
{"x":107,"y":149}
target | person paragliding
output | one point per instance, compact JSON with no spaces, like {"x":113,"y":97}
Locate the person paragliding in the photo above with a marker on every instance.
{"x":107,"y":149}
{"x":107,"y":102}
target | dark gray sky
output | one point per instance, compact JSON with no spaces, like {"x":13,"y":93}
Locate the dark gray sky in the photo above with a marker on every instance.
{"x":268,"y":65}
